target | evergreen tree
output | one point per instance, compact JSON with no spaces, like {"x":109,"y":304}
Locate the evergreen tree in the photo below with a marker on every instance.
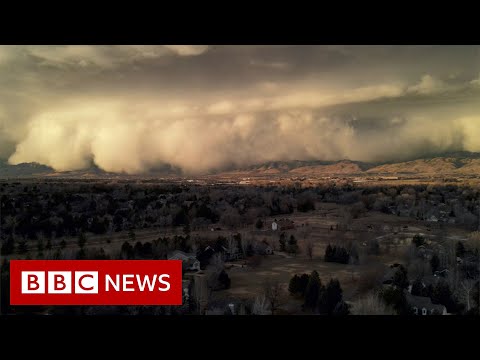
{"x":400,"y":278}
{"x":22,"y":247}
{"x":434,"y":263}
{"x":341,"y":309}
{"x":418,"y":289}
{"x":418,"y":240}
{"x":131,"y":235}
{"x":312,"y":290}
{"x":293,"y":286}
{"x":282,"y":242}
{"x":82,"y":240}
{"x":460,"y":250}
{"x":334,"y":295}
{"x":8,"y":246}
{"x":292,"y":246}
{"x":302,"y":283}
{"x":442,"y":294}
{"x":328,"y":253}
{"x":395,"y":298}
{"x":224,"y":280}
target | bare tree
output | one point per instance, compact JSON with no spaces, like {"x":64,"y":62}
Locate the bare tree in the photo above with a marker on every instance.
{"x":201,"y":293}
{"x":232,"y":245}
{"x":273,"y":292}
{"x":466,"y":288}
{"x":260,"y":306}
{"x":419,"y":268}
{"x":371,"y":304}
{"x":217,"y":263}
{"x":474,"y":240}
{"x":245,"y":242}
{"x":371,"y":279}
{"x":308,"y":243}
{"x":410,"y":254}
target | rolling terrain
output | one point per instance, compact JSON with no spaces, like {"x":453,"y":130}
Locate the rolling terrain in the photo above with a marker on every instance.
{"x":453,"y":164}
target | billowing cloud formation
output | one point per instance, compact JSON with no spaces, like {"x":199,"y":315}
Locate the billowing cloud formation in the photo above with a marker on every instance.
{"x":133,"y":108}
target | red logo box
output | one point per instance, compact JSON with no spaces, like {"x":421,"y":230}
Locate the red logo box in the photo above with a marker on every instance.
{"x":96,"y":282}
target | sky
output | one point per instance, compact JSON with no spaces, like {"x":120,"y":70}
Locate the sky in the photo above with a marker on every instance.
{"x":202,"y":108}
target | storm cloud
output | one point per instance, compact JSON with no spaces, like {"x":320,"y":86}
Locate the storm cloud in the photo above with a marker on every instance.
{"x":203,"y":108}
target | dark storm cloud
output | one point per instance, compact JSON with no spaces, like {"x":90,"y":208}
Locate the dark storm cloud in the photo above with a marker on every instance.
{"x":131,"y":108}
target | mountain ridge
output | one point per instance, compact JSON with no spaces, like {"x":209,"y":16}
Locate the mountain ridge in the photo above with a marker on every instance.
{"x":454,"y":163}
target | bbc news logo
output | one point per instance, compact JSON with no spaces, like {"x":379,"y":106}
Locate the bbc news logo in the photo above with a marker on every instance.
{"x":96,"y":282}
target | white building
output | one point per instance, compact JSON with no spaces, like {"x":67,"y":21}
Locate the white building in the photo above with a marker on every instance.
{"x":274,"y":225}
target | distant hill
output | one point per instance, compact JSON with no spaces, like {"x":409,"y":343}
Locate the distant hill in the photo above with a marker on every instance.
{"x":24,"y":169}
{"x":455,"y":163}
{"x":438,"y":165}
{"x":38,"y":170}
{"x":460,"y":163}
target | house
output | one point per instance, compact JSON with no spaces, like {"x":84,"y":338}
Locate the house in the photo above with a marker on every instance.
{"x":274,"y":225}
{"x":231,"y":254}
{"x":422,"y":305}
{"x":227,"y":306}
{"x":189,"y":261}
{"x":443,"y":273}
{"x":262,"y":248}
{"x":430,"y":280}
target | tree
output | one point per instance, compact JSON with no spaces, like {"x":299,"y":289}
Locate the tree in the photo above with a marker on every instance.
{"x":127,"y":251}
{"x":22,"y":247}
{"x":8,"y":246}
{"x":224,"y":280}
{"x":441,"y":294}
{"x":460,"y":250}
{"x":418,"y":289}
{"x":400,"y":278}
{"x":331,"y":297}
{"x":82,"y":240}
{"x":293,"y":285}
{"x":273,"y":291}
{"x":371,"y":304}
{"x":312,"y":291}
{"x":418,"y":240}
{"x":260,"y":306}
{"x":282,"y":242}
{"x":245,"y":244}
{"x":138,"y":249}
{"x":81,"y":254}
{"x":395,"y":298}
{"x":336,"y":254}
{"x":232,"y":244}
{"x":466,"y":287}
{"x":476,"y":296}
{"x":341,"y":309}
{"x":373,"y":247}
{"x":474,"y":241}
{"x":435,"y":263}
{"x":309,"y":247}
{"x":302,"y":283}
{"x":328,"y":253}
{"x":292,"y":246}
{"x":131,"y":235}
